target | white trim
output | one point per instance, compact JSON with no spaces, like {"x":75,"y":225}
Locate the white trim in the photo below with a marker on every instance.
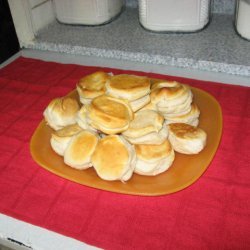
{"x":20,"y":11}
{"x":36,"y":238}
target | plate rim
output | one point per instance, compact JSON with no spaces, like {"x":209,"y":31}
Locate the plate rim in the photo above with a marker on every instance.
{"x":173,"y":190}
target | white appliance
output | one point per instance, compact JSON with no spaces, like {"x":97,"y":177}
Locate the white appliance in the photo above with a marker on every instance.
{"x":174,"y":15}
{"x":87,"y":12}
{"x":242,"y":18}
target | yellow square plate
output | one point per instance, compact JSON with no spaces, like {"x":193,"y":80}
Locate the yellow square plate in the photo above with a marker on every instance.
{"x":185,"y":170}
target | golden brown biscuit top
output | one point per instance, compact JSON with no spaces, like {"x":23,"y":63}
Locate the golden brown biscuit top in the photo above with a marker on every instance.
{"x":129,"y":82}
{"x":64,"y":106}
{"x":183,"y":130}
{"x":83,"y":145}
{"x":110,"y":155}
{"x":95,"y":81}
{"x":151,"y":152}
{"x":169,"y":92}
{"x":112,"y":107}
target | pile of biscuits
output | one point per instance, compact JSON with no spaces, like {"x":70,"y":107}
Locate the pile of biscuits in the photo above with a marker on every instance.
{"x":124,"y":124}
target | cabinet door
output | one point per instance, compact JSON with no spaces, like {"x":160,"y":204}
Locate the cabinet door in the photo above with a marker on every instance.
{"x":9,"y":44}
{"x":29,"y":17}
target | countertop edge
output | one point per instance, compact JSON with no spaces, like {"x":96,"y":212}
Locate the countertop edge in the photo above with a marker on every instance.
{"x":210,"y":66}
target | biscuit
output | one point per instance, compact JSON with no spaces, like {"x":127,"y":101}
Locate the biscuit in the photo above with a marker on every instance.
{"x":61,"y":112}
{"x":114,"y":158}
{"x":186,"y":139}
{"x":60,"y":138}
{"x":192,"y":117}
{"x":144,"y":122}
{"x":91,"y":86}
{"x":129,"y":87}
{"x":109,"y":115}
{"x":80,"y":149}
{"x":82,"y":119}
{"x":153,"y":159}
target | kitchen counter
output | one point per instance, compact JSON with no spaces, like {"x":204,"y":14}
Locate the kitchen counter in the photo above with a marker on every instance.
{"x":217,"y":48}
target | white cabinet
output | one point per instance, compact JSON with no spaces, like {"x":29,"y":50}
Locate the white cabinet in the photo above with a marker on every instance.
{"x":29,"y":16}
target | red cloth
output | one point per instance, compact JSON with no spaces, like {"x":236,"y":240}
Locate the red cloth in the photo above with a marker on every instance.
{"x":213,"y":213}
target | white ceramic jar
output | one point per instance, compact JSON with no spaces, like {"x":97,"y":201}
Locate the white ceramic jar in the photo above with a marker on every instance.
{"x":174,"y":15}
{"x":87,"y":12}
{"x":242,"y":18}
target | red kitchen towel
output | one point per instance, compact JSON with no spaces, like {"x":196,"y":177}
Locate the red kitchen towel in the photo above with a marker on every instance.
{"x":213,"y":213}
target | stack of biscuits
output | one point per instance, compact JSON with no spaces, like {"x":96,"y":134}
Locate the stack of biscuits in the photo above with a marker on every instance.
{"x":147,"y":127}
{"x":173,"y":100}
{"x":134,"y":89}
{"x":125,"y":124}
{"x":91,"y":86}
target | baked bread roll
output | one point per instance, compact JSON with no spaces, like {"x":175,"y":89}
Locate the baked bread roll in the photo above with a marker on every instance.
{"x":144,"y":122}
{"x":191,"y":118}
{"x":80,"y":149}
{"x":153,"y":159}
{"x":114,"y":158}
{"x":61,"y":112}
{"x":109,"y":115}
{"x":60,"y":138}
{"x":134,"y":89}
{"x":171,"y":98}
{"x":146,"y":128}
{"x":91,"y":86}
{"x":82,"y":119}
{"x":129,"y":87}
{"x":176,"y":110}
{"x":186,"y":139}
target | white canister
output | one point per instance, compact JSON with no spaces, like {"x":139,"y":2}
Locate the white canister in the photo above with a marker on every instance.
{"x":242,"y":18}
{"x":87,"y":12}
{"x":174,"y":15}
